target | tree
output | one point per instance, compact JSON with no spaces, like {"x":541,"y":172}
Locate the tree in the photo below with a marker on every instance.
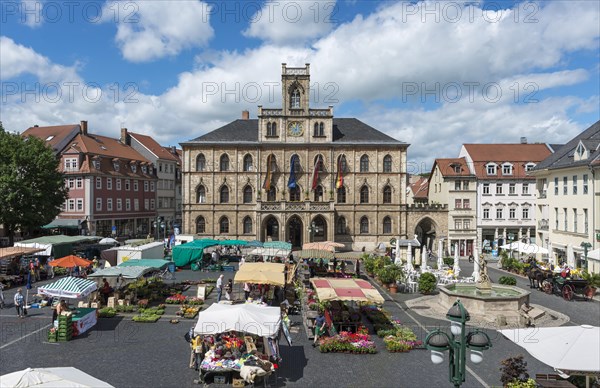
{"x":31,"y":187}
{"x":514,"y":369}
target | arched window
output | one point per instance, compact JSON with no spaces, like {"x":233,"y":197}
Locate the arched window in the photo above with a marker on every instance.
{"x":271,"y":129}
{"x":341,"y":195}
{"x":321,"y":129}
{"x":295,"y":194}
{"x":364,"y":194}
{"x":387,"y":163}
{"x":247,"y":222}
{"x":387,"y":194}
{"x":273,"y":160}
{"x":340,"y":226}
{"x":200,"y":225}
{"x":295,"y":160}
{"x":224,"y":225}
{"x":224,"y":194}
{"x":364,"y":225}
{"x":321,"y":163}
{"x":224,"y":163}
{"x":271,"y":194}
{"x":200,"y":162}
{"x":247,"y":194}
{"x":387,"y":225}
{"x":319,"y":194}
{"x":248,"y":163}
{"x":316,"y":129}
{"x":201,"y":194}
{"x":342,"y":164}
{"x":364,"y":163}
{"x":295,"y":99}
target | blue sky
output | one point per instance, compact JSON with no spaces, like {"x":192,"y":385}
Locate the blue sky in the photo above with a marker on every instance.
{"x":433,"y":74}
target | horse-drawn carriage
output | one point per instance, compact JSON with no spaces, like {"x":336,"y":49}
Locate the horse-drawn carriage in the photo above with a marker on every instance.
{"x":568,"y":287}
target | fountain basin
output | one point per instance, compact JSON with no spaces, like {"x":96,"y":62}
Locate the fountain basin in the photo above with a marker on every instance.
{"x":501,"y":305}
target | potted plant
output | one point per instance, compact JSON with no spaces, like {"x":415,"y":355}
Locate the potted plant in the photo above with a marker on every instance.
{"x":593,"y":280}
{"x":427,"y":283}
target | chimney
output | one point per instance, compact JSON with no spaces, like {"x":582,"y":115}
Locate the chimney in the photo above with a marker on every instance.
{"x":124,"y":138}
{"x":174,"y":150}
{"x":523,"y":140}
{"x":83,"y":126}
{"x":36,"y":126}
{"x":245,"y":115}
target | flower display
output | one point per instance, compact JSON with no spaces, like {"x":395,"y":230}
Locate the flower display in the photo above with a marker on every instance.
{"x":175,"y":299}
{"x":347,"y":342}
{"x":399,"y":338}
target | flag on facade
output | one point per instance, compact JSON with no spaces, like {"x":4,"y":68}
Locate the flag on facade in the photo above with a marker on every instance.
{"x":267,"y":182}
{"x":292,"y":181}
{"x":315,"y":176}
{"x":339,"y":181}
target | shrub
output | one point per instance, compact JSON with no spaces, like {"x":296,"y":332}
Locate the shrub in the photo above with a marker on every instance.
{"x":427,"y":283}
{"x":529,"y":383}
{"x":449,"y":261}
{"x":507,"y":280}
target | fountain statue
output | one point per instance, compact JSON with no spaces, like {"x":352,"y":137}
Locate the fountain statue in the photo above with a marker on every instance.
{"x":484,"y":285}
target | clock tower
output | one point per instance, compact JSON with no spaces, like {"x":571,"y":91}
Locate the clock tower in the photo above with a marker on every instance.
{"x":295,"y":122}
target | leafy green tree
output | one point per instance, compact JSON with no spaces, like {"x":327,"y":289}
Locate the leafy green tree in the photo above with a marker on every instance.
{"x":31,"y":187}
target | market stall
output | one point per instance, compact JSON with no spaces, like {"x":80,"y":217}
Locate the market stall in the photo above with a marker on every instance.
{"x":267,"y":254}
{"x":239,"y":342}
{"x":186,"y":254}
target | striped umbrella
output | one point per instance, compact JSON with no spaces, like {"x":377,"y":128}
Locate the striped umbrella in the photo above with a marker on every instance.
{"x":69,"y":287}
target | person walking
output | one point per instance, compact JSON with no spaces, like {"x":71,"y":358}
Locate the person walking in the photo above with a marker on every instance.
{"x":320,"y":323}
{"x":246,"y":291}
{"x":1,"y":295}
{"x":49,"y":267}
{"x":20,"y":303}
{"x":219,"y":287}
{"x":228,"y":289}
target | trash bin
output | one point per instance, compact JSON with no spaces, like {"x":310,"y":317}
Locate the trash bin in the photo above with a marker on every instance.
{"x":172,"y":267}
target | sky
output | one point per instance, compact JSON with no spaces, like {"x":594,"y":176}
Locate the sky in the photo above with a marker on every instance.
{"x":433,"y":74}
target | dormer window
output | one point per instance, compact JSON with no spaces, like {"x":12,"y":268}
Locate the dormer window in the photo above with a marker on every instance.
{"x":133,"y":168}
{"x":116,"y":166}
{"x":50,"y":138}
{"x":144,"y":169}
{"x":96,"y":164}
{"x":456,"y":168}
{"x":295,"y":99}
{"x":529,"y":166}
{"x":491,"y":169}
{"x":580,"y":152}
{"x":507,"y":169}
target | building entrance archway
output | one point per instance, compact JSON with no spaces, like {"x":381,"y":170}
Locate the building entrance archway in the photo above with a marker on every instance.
{"x":270,"y":230}
{"x":294,"y":231}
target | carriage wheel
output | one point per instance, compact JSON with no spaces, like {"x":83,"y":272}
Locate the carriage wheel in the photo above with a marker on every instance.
{"x":567,"y":292}
{"x":547,"y":287}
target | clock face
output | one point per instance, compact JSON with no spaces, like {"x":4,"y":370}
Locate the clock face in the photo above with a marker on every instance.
{"x":295,"y":128}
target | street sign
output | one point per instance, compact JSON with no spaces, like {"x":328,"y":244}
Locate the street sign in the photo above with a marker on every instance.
{"x":114,"y":229}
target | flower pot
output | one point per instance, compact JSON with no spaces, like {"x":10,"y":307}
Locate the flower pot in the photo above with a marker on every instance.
{"x":393,"y":288}
{"x":590,"y":291}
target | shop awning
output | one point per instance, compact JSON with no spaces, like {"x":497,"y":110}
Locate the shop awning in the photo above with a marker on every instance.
{"x":185,"y":254}
{"x":69,"y":287}
{"x":346,"y":289}
{"x":10,"y":252}
{"x":62,"y":223}
{"x":152,"y":263}
{"x":261,"y":273}
{"x":315,"y":254}
{"x":246,"y":318}
{"x":233,"y":242}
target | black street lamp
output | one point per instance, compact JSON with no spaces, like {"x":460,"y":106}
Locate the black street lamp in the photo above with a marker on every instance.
{"x":585,"y":245}
{"x":438,"y":342}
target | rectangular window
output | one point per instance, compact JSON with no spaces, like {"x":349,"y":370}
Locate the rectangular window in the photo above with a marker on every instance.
{"x":556,"y":218}
{"x":71,"y":183}
{"x":160,"y":203}
{"x":566,"y":219}
{"x":119,"y":204}
{"x":525,"y":213}
{"x":135,"y":185}
{"x":499,"y":188}
{"x":457,"y":185}
{"x":466,"y":203}
{"x":79,"y":183}
{"x":79,"y":204}
{"x":574,"y":220}
{"x":109,"y":204}
{"x":555,"y":186}
{"x":152,"y":204}
{"x":99,"y":182}
{"x":499,"y":213}
{"x":127,"y":204}
{"x":525,"y":188}
{"x":458,"y":203}
{"x":512,"y":213}
{"x":486,"y":188}
{"x":585,"y":221}
{"x":491,"y":169}
{"x":71,"y":164}
{"x":136,"y":204}
{"x":146,"y":204}
{"x":457,"y":224}
{"x":108,"y":183}
{"x":465,"y":185}
{"x":98,"y":203}
{"x":507,"y":169}
{"x":152,"y":187}
{"x":466,"y":224}
{"x":127,"y":184}
{"x":71,"y":205}
{"x":486,"y":214}
{"x":512,"y":189}
{"x":574,"y":184}
{"x":565,"y":185}
{"x":585,"y":183}
{"x":145,"y":186}
{"x":118,"y":184}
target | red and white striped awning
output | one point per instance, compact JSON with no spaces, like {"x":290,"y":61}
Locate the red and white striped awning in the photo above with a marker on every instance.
{"x":346,"y":289}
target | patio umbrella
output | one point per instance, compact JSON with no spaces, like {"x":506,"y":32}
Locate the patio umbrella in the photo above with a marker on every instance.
{"x":398,"y":259}
{"x":108,"y":241}
{"x":477,"y":266}
{"x":69,"y":287}
{"x":70,"y":262}
{"x":409,"y":263}
{"x":50,"y":377}
{"x":423,"y":258}
{"x":456,"y":267}
{"x":440,"y":259}
{"x":567,"y":349}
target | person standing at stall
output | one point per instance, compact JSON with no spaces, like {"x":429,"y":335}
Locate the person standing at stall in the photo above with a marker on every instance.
{"x":219,"y":287}
{"x":228,"y":289}
{"x":246,"y":291}
{"x":320,"y":324}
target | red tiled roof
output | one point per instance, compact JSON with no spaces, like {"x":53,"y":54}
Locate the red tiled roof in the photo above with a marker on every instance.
{"x":52,"y":135}
{"x":447,"y":167}
{"x":516,"y":154}
{"x":105,"y":146}
{"x":153,"y":146}
{"x":420,"y":188}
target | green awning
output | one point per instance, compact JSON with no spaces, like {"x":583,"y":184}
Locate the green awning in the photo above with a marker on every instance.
{"x":59,"y":239}
{"x":62,"y":223}
{"x":152,"y":263}
{"x":277,"y":244}
{"x":132,"y":272}
{"x":233,"y":242}
{"x":188,"y":253}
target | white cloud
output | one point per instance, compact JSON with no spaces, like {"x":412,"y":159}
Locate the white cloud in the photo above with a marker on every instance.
{"x":31,"y":13}
{"x":149,"y":30}
{"x":292,"y":21}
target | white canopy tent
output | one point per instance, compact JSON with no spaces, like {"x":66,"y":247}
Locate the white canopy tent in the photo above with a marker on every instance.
{"x":522,"y":247}
{"x":69,"y":287}
{"x":51,"y":377}
{"x":268,"y":253}
{"x":247,"y":318}
{"x":571,"y":350}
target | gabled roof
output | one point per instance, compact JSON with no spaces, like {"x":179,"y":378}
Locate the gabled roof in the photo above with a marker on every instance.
{"x":105,"y":146}
{"x":563,"y":158}
{"x":151,"y":145}
{"x":57,"y":136}
{"x":519,"y":155}
{"x":345,"y":130}
{"x":177,"y":155}
{"x":447,"y":167}
{"x":420,"y":188}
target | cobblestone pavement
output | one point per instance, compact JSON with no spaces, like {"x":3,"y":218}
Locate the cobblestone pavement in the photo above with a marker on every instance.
{"x":128,"y":354}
